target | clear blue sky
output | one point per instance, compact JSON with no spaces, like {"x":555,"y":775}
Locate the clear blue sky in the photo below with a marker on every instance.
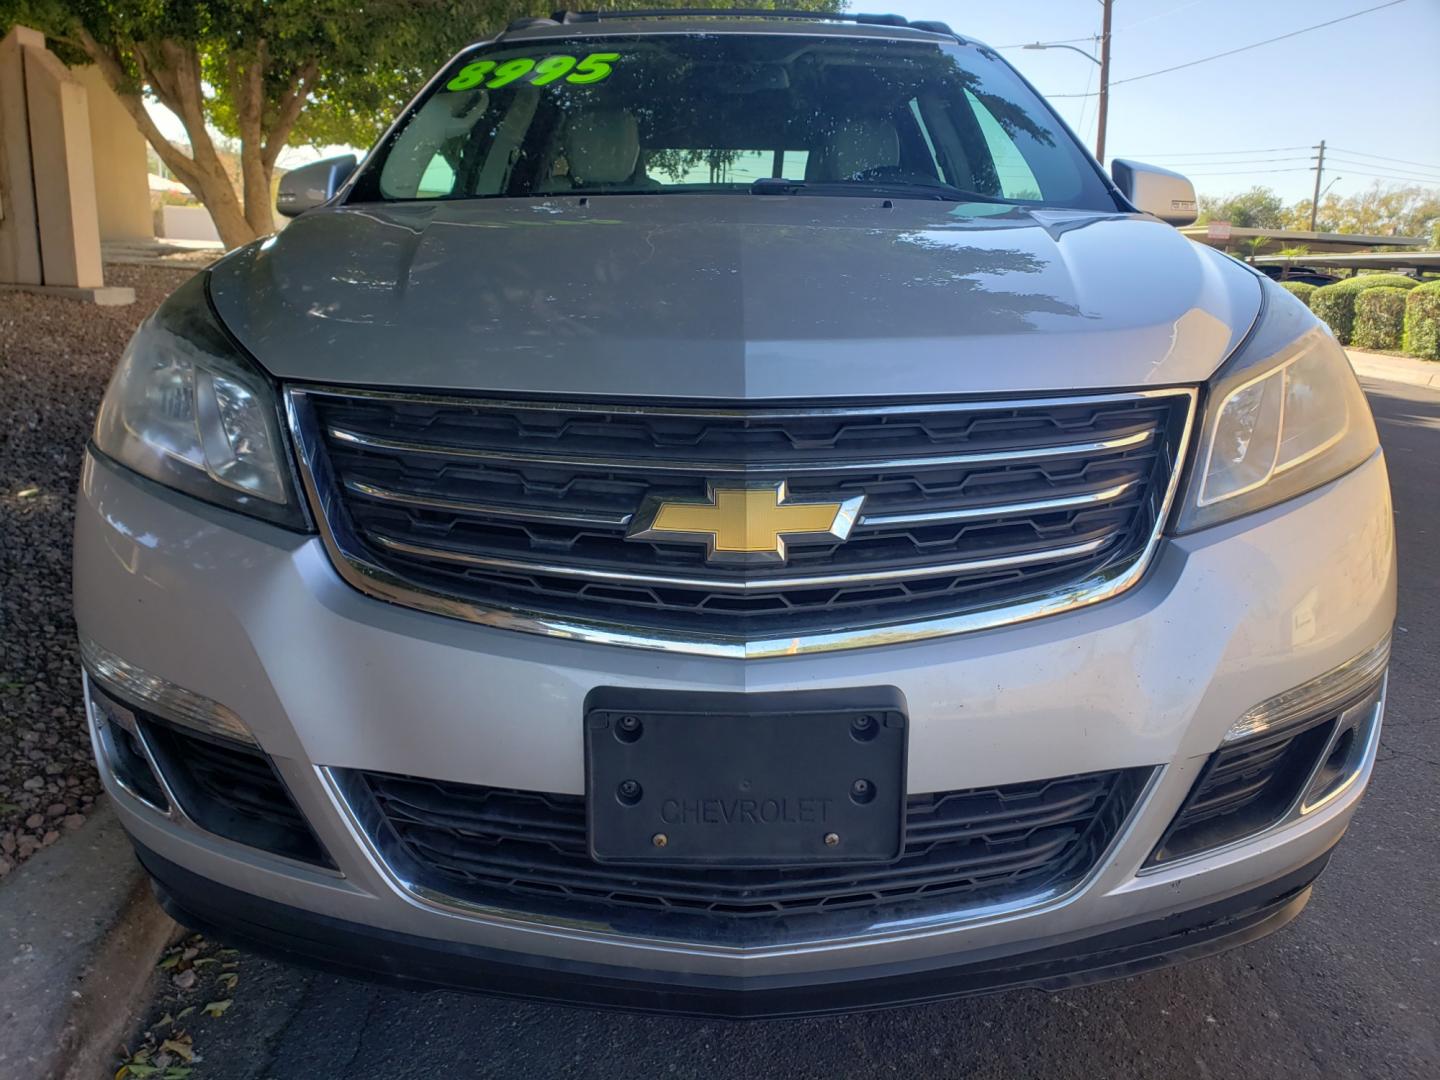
{"x":1368,"y":86}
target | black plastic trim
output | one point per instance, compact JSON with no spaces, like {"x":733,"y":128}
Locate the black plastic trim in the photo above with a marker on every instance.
{"x":423,"y":963}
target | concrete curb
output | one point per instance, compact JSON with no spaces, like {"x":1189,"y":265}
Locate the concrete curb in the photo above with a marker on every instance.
{"x":1402,"y":369}
{"x":80,"y":935}
{"x":103,"y":295}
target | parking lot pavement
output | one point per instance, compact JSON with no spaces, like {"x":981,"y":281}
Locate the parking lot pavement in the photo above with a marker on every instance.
{"x":1350,"y":990}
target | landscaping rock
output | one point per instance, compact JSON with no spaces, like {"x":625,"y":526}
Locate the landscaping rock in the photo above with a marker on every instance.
{"x":55,"y":359}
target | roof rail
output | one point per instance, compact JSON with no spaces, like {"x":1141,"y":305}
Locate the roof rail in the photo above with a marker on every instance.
{"x":567,"y":18}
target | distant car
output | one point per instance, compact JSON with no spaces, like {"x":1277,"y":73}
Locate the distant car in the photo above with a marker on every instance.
{"x":734,"y":515}
{"x":1301,"y":274}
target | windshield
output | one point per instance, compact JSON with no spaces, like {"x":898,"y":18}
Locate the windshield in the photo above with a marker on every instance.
{"x":699,"y":113}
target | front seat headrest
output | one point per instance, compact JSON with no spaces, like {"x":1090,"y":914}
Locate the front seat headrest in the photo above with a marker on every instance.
{"x":601,"y":146}
{"x":863,"y":143}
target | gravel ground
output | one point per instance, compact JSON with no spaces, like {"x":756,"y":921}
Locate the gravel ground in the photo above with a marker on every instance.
{"x":55,"y":358}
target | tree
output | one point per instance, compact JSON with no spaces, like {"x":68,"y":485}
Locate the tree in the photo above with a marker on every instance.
{"x":1409,"y":210}
{"x":269,"y":72}
{"x":1292,"y":253}
{"x":1258,"y":208}
{"x":1256,"y":244}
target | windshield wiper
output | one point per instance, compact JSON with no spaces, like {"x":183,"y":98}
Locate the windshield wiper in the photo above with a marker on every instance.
{"x":943,"y":192}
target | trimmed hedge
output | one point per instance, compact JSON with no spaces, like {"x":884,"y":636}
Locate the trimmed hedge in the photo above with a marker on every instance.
{"x":1379,"y":318}
{"x":1301,"y":289}
{"x":1422,"y":321}
{"x":1336,"y":303}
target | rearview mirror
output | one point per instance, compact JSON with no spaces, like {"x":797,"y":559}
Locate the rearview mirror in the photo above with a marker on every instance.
{"x":313,"y":185}
{"x":1152,"y":190}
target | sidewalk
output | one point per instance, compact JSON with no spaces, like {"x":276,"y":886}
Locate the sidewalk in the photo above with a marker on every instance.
{"x":1403,"y":369}
{"x":80,"y":934}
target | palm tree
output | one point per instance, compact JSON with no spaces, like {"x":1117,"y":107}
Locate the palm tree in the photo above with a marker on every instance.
{"x":1255,"y":244}
{"x":1292,"y":253}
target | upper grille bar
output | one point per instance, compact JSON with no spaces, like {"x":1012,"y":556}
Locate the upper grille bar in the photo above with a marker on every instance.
{"x":459,"y":506}
{"x":746,"y":468}
{"x":999,"y":510}
{"x":620,"y":521}
{"x":809,"y":581}
{"x":745,"y":412}
{"x":516,"y":514}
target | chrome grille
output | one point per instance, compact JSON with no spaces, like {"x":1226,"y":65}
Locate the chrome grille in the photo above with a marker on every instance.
{"x":516,"y":513}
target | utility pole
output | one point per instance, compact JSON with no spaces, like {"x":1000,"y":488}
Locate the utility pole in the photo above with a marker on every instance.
{"x":1319,"y":170}
{"x":1104,"y":81}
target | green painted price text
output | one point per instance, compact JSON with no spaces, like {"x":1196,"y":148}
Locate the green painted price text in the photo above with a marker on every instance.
{"x":493,"y":74}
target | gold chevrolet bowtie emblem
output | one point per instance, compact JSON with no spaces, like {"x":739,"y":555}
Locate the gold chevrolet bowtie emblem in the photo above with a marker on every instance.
{"x":745,"y":524}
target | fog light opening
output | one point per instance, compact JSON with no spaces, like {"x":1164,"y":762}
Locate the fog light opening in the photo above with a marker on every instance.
{"x":1278,"y":773}
{"x":123,"y":752}
{"x":1346,"y":755}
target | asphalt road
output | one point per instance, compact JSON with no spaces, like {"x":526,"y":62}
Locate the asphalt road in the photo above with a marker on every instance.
{"x":1352,"y":989}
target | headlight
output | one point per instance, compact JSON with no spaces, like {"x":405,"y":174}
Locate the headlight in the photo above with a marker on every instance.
{"x":185,"y":409}
{"x":1285,"y":415}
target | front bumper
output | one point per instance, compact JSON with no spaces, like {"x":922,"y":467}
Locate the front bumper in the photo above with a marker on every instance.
{"x":368,"y":952}
{"x":327,"y":679}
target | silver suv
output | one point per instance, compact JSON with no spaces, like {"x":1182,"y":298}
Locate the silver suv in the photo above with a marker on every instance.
{"x":737,"y":515}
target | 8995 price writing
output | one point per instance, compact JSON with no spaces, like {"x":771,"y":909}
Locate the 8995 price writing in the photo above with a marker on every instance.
{"x":493,"y":74}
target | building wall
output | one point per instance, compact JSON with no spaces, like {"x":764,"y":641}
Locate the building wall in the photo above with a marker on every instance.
{"x":122,"y":187}
{"x":188,"y":223}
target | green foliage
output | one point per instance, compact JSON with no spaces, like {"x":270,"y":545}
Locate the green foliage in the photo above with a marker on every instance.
{"x":276,"y":72}
{"x":1422,"y":322}
{"x":1258,"y":208}
{"x":1383,"y":210}
{"x":371,"y":57}
{"x":1379,"y":318}
{"x":1336,"y":303}
{"x":1300,"y":289}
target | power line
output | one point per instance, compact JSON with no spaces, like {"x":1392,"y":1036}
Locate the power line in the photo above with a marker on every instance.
{"x":1382,"y":157}
{"x":1226,"y":153}
{"x":1256,"y":45}
{"x":1062,"y":41}
{"x":1233,"y":161}
{"x":1248,"y":172}
{"x":1394,"y":179}
{"x":1118,"y":29}
{"x":1160,"y":15}
{"x":1353,"y":166}
{"x":1393,"y":169}
{"x":1085,"y":105}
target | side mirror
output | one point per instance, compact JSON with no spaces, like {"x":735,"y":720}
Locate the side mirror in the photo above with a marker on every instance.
{"x":1167,"y":195}
{"x":313,"y":185}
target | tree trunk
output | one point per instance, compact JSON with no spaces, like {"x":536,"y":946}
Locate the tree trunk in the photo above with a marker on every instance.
{"x":247,"y":78}
{"x":259,"y":212}
{"x":215,"y":189}
{"x":172,"y":71}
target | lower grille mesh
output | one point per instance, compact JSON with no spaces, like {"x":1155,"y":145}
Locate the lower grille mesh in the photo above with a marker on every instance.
{"x":527,"y":851}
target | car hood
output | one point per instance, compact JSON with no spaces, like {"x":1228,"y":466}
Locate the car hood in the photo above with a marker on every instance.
{"x":733,"y":297}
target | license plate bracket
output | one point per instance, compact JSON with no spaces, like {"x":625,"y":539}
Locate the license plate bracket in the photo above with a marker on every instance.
{"x":738,"y":780}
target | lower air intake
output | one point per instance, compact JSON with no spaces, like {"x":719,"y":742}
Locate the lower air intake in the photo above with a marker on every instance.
{"x":527,"y":852}
{"x":232,"y":791}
